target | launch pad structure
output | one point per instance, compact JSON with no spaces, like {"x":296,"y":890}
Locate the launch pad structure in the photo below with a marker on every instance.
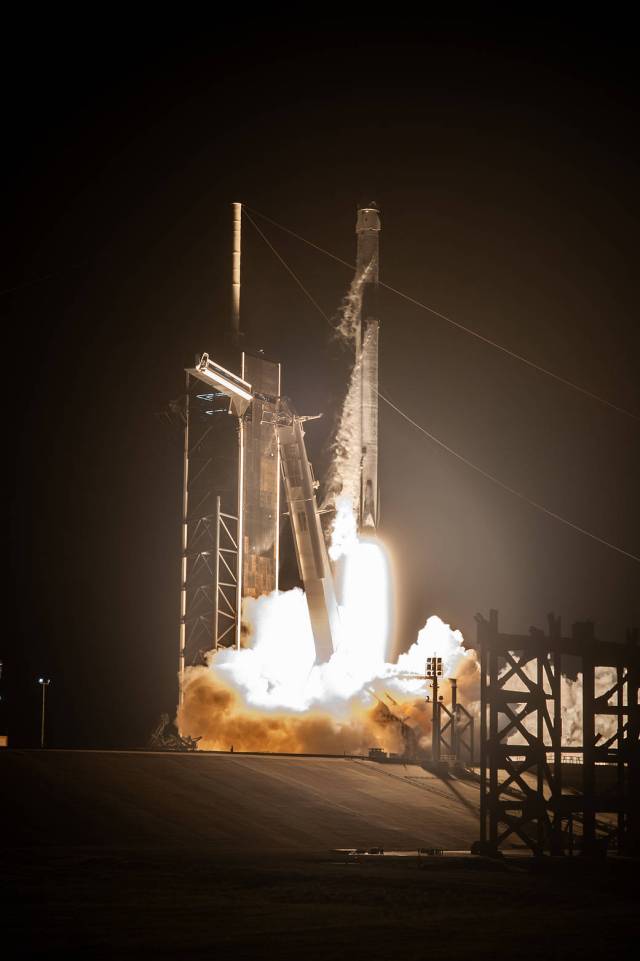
{"x":230,"y":554}
{"x":522,"y":789}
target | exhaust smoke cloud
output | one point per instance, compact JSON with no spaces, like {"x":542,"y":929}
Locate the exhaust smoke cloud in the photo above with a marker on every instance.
{"x":272,"y":697}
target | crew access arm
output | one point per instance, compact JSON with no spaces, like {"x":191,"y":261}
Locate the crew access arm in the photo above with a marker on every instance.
{"x":300,"y":487}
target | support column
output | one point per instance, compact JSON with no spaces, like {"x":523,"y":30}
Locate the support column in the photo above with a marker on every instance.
{"x":240,"y":528}
{"x":216,"y":586}
{"x":482,"y":643}
{"x":184,"y":547}
{"x":556,"y":795}
{"x":235,"y":273}
{"x":632,"y":842}
{"x":541,"y":760}
{"x":588,"y":757}
{"x":435,"y":727}
{"x":454,"y":718}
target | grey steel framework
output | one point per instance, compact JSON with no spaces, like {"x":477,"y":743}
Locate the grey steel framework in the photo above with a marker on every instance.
{"x":225,"y":611}
{"x":451,"y":739}
{"x":456,"y":732}
{"x":209,"y":469}
{"x":266,"y":427}
{"x":260,"y":457}
{"x":254,"y":539}
{"x":522,"y":791}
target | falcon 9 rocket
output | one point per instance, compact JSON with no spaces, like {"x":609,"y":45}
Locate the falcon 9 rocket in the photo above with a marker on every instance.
{"x":367,"y":335}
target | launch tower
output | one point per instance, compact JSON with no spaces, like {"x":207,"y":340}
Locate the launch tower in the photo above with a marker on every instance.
{"x":229,"y":556}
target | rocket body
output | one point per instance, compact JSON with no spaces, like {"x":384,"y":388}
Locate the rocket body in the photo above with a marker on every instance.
{"x":367,"y":337}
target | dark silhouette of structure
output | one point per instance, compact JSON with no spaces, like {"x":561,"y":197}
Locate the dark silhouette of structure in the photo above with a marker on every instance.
{"x":455,"y":728}
{"x":523,"y":793}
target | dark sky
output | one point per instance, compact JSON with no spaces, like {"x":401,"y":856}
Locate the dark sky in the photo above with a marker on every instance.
{"x":505,"y":159}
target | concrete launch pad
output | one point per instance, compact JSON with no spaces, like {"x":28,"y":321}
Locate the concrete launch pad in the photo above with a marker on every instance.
{"x":131,"y":854}
{"x":230,"y":802}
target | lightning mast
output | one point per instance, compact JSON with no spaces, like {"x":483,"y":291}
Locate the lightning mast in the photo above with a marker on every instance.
{"x":235,"y":328}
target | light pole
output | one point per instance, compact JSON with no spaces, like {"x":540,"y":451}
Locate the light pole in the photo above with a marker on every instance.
{"x":44,"y":683}
{"x":433,"y":672}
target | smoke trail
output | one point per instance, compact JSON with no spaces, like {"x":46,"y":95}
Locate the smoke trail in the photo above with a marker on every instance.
{"x":348,"y":326}
{"x":343,"y":476}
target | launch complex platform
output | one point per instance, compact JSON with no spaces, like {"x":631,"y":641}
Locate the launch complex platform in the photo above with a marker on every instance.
{"x":125,"y":854}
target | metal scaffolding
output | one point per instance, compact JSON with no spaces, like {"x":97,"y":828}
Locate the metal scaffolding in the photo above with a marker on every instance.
{"x":225,"y":612}
{"x":209,"y":470}
{"x":525,"y":789}
{"x":455,"y":728}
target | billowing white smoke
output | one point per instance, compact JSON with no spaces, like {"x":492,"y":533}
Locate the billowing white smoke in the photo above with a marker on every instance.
{"x":344,"y":532}
{"x":343,"y":476}
{"x":277,"y":673}
{"x":435,"y":639}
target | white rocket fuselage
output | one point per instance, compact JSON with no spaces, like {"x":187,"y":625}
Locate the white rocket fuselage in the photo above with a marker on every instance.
{"x":367,"y":336}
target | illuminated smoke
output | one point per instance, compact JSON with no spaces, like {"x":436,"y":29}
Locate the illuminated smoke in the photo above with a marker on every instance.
{"x":347,"y":327}
{"x":343,"y":476}
{"x":273,"y":697}
{"x":344,"y":531}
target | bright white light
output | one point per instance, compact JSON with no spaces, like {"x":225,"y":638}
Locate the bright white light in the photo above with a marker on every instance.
{"x":229,"y":386}
{"x":278,"y":671}
{"x":344,"y":533}
{"x":365,"y":610}
{"x":275,"y":671}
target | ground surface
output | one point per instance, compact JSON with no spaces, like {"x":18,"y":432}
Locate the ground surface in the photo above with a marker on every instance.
{"x":230,"y":802}
{"x":116,"y":855}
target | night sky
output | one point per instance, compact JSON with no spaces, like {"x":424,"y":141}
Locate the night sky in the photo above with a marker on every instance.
{"x":506,"y":162}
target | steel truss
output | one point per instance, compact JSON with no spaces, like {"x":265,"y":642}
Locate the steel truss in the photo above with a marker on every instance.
{"x":226,"y":579}
{"x":210,"y":438}
{"x":455,"y":728}
{"x":522,"y":794}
